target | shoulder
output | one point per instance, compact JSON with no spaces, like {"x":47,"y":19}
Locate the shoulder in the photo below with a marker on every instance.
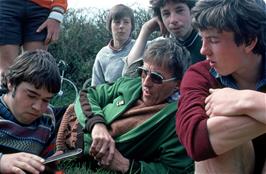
{"x":104,"y":50}
{"x":126,"y":80}
{"x":198,"y":76}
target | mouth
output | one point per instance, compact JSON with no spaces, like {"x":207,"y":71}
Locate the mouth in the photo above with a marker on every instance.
{"x":212,"y":63}
{"x":176,"y":29}
{"x":146,"y":92}
{"x":35,"y":115}
{"x":121,"y":32}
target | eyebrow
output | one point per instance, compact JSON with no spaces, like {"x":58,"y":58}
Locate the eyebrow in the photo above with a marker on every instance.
{"x":35,"y":93}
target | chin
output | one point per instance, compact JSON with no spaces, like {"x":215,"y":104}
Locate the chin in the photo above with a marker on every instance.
{"x":148,"y":102}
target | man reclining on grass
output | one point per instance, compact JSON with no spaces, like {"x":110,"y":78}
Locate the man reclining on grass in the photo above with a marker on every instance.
{"x":129,"y":126}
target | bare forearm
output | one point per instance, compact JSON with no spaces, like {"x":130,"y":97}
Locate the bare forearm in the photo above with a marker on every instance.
{"x":255,"y":105}
{"x":231,"y":102}
{"x":227,"y":133}
{"x":139,"y":46}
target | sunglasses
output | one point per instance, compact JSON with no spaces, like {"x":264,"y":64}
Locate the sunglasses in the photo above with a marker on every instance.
{"x":155,"y":77}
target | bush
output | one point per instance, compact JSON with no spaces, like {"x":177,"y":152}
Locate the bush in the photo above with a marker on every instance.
{"x":83,"y":34}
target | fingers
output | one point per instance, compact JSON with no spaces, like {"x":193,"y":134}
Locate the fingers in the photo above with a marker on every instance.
{"x":29,"y":166}
{"x":17,"y":170}
{"x":103,"y":152}
{"x":21,"y":163}
{"x":53,"y":28}
{"x":106,"y":159}
{"x":208,"y":109}
{"x":100,"y":147}
{"x":41,"y":27}
{"x":52,"y":36}
{"x":211,"y":90}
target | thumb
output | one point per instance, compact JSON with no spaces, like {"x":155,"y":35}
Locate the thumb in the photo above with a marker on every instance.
{"x":211,"y":90}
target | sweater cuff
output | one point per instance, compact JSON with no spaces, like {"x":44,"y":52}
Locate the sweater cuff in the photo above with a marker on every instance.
{"x":58,"y":9}
{"x":89,"y":123}
{"x":134,"y":167}
{"x":56,"y":16}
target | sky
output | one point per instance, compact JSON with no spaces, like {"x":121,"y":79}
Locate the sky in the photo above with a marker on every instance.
{"x":106,"y":4}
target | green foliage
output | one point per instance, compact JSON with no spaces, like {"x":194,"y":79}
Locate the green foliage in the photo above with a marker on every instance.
{"x":83,"y":34}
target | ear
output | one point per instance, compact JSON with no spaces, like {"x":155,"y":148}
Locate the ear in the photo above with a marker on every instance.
{"x":250,"y":46}
{"x":10,"y":87}
{"x":178,"y":84}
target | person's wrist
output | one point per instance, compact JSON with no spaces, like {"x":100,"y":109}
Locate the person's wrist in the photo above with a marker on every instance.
{"x":56,"y":16}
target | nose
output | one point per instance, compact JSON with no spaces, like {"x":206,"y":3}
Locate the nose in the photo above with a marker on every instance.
{"x":39,"y":106}
{"x":205,"y":50}
{"x":121,"y":25}
{"x":147,"y":81}
{"x":173,"y":18}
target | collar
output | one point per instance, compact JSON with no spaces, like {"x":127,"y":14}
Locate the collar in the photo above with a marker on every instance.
{"x":229,"y":81}
{"x":174,"y":97}
{"x":191,"y":39}
{"x":111,"y":43}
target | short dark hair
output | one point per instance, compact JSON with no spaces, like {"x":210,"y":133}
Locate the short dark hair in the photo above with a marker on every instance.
{"x":117,"y":12}
{"x":169,"y":54}
{"x":36,"y":67}
{"x":245,"y":18}
{"x":157,"y":4}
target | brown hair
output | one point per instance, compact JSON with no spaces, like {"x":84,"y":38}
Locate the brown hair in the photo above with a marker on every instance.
{"x":169,"y":54}
{"x":36,"y":67}
{"x":117,"y":12}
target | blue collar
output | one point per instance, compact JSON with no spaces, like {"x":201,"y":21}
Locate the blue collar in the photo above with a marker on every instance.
{"x":229,"y":81}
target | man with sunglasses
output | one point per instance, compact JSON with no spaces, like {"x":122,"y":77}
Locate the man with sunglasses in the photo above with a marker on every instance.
{"x":129,"y":126}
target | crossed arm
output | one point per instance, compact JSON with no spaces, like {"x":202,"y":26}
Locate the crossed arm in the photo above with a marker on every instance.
{"x":212,"y":122}
{"x":236,"y":116}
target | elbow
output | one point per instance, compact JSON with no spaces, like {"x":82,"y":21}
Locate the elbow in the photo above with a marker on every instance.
{"x":201,"y":155}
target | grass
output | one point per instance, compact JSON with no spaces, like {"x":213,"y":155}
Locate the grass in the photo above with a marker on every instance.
{"x":77,"y":167}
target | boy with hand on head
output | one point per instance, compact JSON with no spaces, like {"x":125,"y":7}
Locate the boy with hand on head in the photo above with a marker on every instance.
{"x":172,"y":17}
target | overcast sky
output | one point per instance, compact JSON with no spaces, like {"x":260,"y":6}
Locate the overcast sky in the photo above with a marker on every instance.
{"x":106,"y":4}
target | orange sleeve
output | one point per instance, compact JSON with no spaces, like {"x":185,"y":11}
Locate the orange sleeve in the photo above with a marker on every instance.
{"x":52,"y":3}
{"x":59,"y":3}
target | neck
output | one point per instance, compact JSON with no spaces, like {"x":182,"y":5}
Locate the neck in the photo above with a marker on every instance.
{"x":118,"y":44}
{"x":250,"y":73}
{"x":185,"y":37}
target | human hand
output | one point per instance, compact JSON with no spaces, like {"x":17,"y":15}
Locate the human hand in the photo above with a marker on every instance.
{"x":223,"y":102}
{"x":20,"y":163}
{"x":156,"y":24}
{"x":103,"y":145}
{"x":118,"y":163}
{"x":53,"y":30}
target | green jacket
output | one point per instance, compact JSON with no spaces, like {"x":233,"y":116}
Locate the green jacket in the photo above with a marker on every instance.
{"x":154,"y":143}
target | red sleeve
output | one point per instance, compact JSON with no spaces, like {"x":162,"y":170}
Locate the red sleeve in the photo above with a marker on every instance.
{"x":191,"y":119}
